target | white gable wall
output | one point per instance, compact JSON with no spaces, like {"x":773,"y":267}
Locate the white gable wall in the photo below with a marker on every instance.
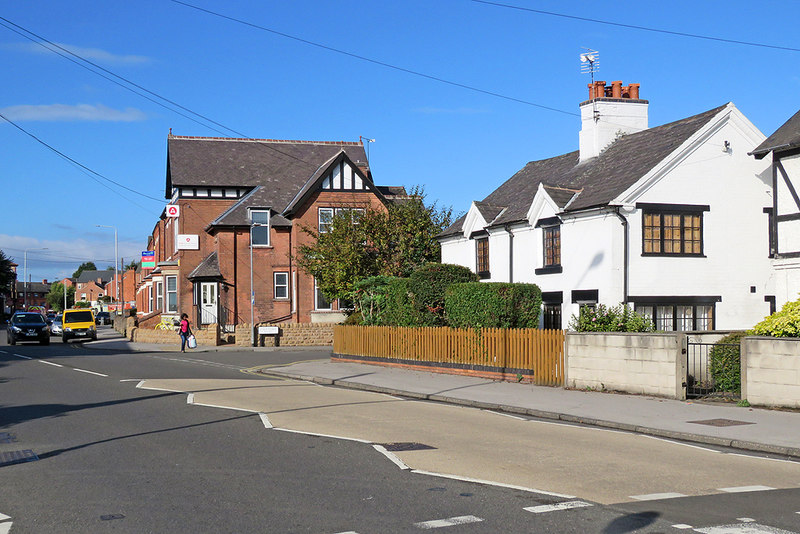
{"x":736,"y":187}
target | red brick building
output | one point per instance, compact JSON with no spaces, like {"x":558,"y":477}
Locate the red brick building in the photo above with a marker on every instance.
{"x":235,"y":197}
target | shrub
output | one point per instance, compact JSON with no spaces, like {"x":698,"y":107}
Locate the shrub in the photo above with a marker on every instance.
{"x":428,"y":285}
{"x":369,"y":298}
{"x":493,"y":305}
{"x":602,"y":318}
{"x":400,"y":309}
{"x":725,"y":362}
{"x":82,"y":304}
{"x":785,"y":323}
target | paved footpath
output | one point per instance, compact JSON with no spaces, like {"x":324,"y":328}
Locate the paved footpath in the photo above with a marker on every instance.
{"x":754,"y":429}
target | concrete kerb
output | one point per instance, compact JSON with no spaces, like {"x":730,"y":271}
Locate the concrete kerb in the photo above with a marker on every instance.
{"x":792,"y":452}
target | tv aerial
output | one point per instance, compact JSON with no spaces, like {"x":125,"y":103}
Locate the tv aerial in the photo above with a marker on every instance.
{"x":590,"y":62}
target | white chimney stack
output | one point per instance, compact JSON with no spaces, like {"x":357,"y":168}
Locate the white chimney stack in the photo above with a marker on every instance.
{"x":609,"y":113}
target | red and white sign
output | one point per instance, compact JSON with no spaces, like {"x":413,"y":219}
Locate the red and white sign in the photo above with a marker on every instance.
{"x":173,"y":210}
{"x":188,"y":242}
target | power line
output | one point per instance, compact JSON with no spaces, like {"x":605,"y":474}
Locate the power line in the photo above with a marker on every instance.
{"x":375,"y":61}
{"x":636,"y":27}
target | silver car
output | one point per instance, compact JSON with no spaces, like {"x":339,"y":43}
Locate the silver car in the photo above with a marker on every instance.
{"x":56,"y":327}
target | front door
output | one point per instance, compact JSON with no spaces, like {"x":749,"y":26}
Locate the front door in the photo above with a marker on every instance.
{"x":208,"y":302}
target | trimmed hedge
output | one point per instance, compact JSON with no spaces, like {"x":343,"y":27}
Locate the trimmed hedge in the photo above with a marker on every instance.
{"x":725,"y":362}
{"x":493,"y":305}
{"x":400,"y":309}
{"x":428,"y":284}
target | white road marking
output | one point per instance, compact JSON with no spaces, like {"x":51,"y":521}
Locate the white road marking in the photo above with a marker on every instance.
{"x":22,"y":356}
{"x":392,"y":457}
{"x":5,"y":528}
{"x":682,"y":526}
{"x":50,"y":363}
{"x":761,"y":457}
{"x":131,"y":380}
{"x":679,"y":443}
{"x":492,"y":483}
{"x":743,"y":489}
{"x":567,"y":505}
{"x":4,"y":352}
{"x":141,"y":385}
{"x":3,"y":517}
{"x":746,"y":519}
{"x":89,"y":372}
{"x":749,"y":528}
{"x":265,"y":420}
{"x":439,"y":523}
{"x":657,"y":496}
{"x":511,"y":416}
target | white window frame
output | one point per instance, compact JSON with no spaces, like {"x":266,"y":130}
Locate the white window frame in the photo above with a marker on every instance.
{"x":160,"y":296}
{"x":169,"y":307}
{"x":259,"y":225}
{"x":175,"y":234}
{"x":318,"y":296}
{"x":325,"y":227}
{"x":284,"y":285}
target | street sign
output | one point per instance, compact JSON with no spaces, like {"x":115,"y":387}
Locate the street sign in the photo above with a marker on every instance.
{"x":148,"y":259}
{"x":173,"y":210}
{"x":188,"y":242}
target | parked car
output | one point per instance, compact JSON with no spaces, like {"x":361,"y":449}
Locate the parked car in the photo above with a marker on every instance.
{"x":102,"y":318}
{"x":28,"y":326}
{"x":78,"y":323}
{"x":56,"y":328}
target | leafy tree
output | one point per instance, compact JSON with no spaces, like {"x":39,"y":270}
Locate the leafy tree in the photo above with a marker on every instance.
{"x":7,"y":275}
{"x":391,"y":242}
{"x":85,"y":266}
{"x":55,"y":298}
{"x":132,"y":266}
{"x":82,"y":304}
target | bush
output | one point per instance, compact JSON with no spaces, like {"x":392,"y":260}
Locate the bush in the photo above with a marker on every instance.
{"x":369,"y":298}
{"x":785,"y":323}
{"x":725,"y":362}
{"x":602,"y":318}
{"x":493,"y":305}
{"x":428,"y":285}
{"x":400,"y":309}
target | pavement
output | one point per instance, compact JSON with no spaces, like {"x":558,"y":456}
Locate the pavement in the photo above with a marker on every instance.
{"x":712,"y":423}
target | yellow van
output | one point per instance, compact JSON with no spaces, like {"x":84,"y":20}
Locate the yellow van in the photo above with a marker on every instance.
{"x":78,"y":323}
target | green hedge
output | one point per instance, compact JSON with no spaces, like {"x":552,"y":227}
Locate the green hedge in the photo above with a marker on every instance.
{"x":493,"y":305}
{"x":603,"y":318}
{"x":785,"y":323}
{"x":400,"y":309}
{"x":428,"y":284}
{"x":369,"y":298}
{"x":725,"y":362}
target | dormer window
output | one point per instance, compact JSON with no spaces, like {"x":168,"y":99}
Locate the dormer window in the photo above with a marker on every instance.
{"x":482,"y":257}
{"x":551,"y":245}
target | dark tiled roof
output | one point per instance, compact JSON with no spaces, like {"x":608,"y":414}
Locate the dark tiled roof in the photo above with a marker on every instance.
{"x":784,"y":138}
{"x":488,"y":211}
{"x":92,"y":276}
{"x":33,"y":287}
{"x":237,"y":214}
{"x":282,"y":167}
{"x":208,"y":268}
{"x":598,"y":180}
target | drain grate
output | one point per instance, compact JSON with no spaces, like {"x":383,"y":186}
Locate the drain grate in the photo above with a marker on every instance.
{"x":17,"y":457}
{"x":5,"y":437}
{"x":406,"y":446}
{"x":721,"y":422}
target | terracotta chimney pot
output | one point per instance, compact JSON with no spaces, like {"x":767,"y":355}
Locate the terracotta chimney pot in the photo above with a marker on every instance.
{"x":633,"y":90}
{"x":616,"y":89}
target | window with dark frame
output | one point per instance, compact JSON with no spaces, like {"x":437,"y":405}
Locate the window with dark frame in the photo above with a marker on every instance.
{"x":259,"y":235}
{"x":672,"y":231}
{"x":674,"y":317}
{"x":552,"y":246}
{"x":482,"y":257}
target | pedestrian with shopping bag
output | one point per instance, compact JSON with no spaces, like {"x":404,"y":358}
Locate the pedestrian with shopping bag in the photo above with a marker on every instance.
{"x":186,"y":333}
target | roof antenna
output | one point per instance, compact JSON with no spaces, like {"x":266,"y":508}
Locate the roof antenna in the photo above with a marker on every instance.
{"x":590,"y":62}
{"x":361,"y":138}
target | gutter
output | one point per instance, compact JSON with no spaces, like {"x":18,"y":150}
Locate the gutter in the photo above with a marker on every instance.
{"x":510,"y":253}
{"x":625,"y":230}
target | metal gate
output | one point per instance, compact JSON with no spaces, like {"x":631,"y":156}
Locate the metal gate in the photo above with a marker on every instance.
{"x":699,"y":379}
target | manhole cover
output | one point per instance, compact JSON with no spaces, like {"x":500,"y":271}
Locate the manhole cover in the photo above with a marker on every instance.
{"x":406,"y":446}
{"x":721,"y":422}
{"x":17,"y":457}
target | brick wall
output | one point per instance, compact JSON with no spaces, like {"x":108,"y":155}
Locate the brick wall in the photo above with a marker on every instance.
{"x":207,"y":337}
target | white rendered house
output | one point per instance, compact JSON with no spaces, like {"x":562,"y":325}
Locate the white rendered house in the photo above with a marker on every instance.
{"x":670,"y":219}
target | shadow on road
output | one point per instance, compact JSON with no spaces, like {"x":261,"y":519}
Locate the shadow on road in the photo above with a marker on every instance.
{"x":631,"y":522}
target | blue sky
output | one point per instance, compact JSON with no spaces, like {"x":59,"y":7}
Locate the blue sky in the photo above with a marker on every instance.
{"x":459,"y":143}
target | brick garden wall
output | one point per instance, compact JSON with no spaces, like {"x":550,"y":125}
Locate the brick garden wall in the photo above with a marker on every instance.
{"x":207,"y":337}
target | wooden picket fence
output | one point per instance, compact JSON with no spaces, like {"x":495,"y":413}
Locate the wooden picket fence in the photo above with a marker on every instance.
{"x":527,"y":349}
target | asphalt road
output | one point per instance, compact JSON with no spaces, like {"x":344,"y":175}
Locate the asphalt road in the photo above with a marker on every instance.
{"x":119,"y":458}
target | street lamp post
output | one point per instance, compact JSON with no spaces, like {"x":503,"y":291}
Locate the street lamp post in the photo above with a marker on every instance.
{"x":25,"y":279}
{"x":116,"y":255}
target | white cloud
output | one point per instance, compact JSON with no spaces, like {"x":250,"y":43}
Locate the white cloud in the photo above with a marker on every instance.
{"x":74,"y":113}
{"x":95,"y":55}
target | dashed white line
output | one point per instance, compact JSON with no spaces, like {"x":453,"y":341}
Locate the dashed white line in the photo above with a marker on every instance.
{"x":23,"y":356}
{"x":265,"y":420}
{"x":50,"y":363}
{"x":89,"y":372}
{"x":392,"y":457}
{"x":682,"y":526}
{"x":3,"y":352}
{"x":450,"y":522}
{"x":491,"y":483}
{"x":567,"y":505}
{"x":657,"y":496}
{"x":749,"y":528}
{"x":743,"y":489}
